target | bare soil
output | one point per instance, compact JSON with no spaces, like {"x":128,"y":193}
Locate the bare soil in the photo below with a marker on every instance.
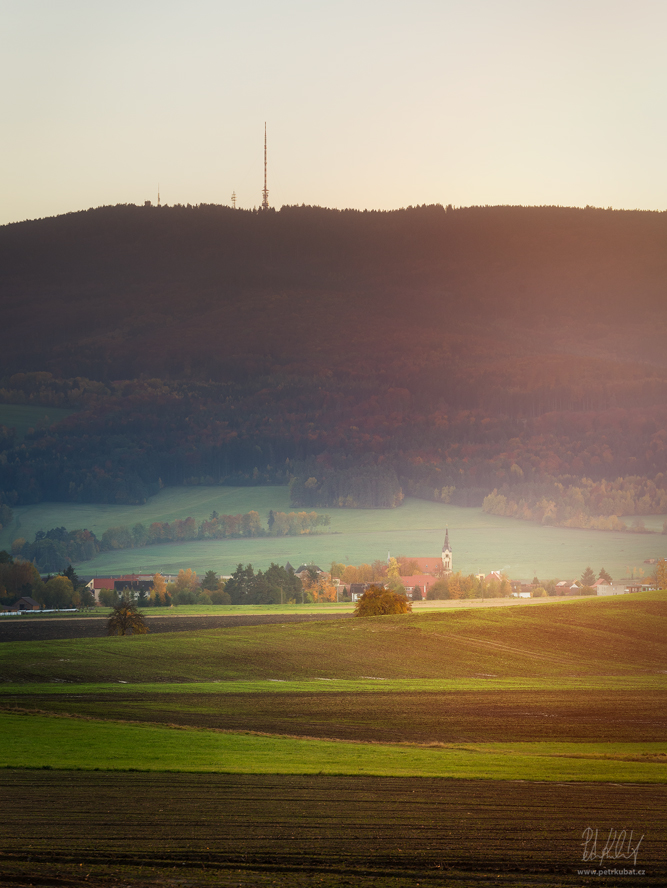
{"x":75,"y":828}
{"x":57,"y":628}
{"x":410,"y":717}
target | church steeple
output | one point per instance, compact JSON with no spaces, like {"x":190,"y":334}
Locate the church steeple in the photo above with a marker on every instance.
{"x":446,"y":555}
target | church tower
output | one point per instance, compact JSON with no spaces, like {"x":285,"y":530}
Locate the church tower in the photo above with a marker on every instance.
{"x":446,"y":555}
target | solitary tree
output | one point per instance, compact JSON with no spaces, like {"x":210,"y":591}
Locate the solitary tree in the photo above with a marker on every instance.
{"x":603,"y":575}
{"x":125,"y":619}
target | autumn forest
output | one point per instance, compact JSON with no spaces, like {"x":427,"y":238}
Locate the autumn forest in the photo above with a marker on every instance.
{"x":511,"y":357}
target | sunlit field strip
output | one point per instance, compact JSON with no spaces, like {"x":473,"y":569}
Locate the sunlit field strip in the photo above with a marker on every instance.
{"x":338,"y":686}
{"x":65,"y":743}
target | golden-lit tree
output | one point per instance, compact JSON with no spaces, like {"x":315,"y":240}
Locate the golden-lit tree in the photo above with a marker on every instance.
{"x":661,"y":574}
{"x":125,"y":619}
{"x":159,"y":593}
{"x":393,"y":569}
{"x":377,"y":601}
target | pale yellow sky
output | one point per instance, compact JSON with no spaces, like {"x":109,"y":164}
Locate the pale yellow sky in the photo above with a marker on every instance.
{"x":368,"y":104}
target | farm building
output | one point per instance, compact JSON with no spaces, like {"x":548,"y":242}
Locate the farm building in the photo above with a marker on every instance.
{"x":26,"y":604}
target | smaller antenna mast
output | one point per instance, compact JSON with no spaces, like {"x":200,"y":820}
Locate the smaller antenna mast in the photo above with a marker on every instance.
{"x":233,"y":199}
{"x":158,"y":194}
{"x":265,"y":190}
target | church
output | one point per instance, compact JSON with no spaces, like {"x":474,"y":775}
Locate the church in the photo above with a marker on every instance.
{"x":432,"y":569}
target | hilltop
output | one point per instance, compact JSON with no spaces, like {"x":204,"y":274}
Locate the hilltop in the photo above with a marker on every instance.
{"x":214,"y":293}
{"x":434,"y":351}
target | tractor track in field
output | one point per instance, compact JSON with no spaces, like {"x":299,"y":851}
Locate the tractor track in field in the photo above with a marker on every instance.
{"x":497,"y":645}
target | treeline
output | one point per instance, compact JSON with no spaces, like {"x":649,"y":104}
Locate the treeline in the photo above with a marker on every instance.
{"x":361,"y":487}
{"x":19,"y":579}
{"x":276,"y":585}
{"x":588,"y":504}
{"x":6,"y":516}
{"x":55,"y":549}
{"x":458,"y":585}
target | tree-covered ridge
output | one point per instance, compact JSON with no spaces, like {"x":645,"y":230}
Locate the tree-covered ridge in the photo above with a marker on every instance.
{"x":358,"y":356}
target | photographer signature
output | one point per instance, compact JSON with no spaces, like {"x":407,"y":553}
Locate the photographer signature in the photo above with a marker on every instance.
{"x":618,"y":845}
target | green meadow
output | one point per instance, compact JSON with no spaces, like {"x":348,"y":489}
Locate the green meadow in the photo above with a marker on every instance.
{"x":480,"y":542}
{"x":70,"y":744}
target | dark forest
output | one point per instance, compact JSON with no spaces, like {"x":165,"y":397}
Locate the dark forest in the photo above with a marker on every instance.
{"x":506,"y":355}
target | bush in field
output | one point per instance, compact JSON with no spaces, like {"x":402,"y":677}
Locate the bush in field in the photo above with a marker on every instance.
{"x":377,"y":601}
{"x":125,"y":619}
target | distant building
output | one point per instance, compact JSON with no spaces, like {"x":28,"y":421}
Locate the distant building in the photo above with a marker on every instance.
{"x":436,"y":567}
{"x":446,"y":555}
{"x":611,"y":590}
{"x":27,"y":604}
{"x":133,"y":582}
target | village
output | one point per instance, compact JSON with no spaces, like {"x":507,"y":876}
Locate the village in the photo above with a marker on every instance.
{"x":420,"y":579}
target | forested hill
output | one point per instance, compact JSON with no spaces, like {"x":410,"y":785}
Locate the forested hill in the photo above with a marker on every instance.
{"x":212,"y":293}
{"x":447,"y":353}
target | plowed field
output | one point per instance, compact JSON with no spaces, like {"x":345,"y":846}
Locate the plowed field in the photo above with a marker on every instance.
{"x":75,"y":828}
{"x":430,"y":717}
{"x":58,"y":628}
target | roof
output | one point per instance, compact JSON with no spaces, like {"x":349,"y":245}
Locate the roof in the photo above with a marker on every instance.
{"x":424,"y":581}
{"x":308,"y":567}
{"x":428,"y":565}
{"x":28,"y":600}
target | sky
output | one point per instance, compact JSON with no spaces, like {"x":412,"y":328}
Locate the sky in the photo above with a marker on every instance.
{"x":372,"y":104}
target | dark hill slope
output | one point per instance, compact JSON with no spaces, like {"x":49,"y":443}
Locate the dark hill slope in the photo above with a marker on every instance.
{"x":518,"y":348}
{"x":118,"y":291}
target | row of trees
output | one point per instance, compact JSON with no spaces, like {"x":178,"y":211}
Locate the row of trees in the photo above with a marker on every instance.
{"x":587,"y":504}
{"x":19,"y":579}
{"x":54,"y":549}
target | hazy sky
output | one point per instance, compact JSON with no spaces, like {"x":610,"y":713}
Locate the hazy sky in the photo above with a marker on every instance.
{"x":370,"y":103}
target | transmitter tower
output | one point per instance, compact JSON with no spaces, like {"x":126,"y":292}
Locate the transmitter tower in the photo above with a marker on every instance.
{"x":265,"y":190}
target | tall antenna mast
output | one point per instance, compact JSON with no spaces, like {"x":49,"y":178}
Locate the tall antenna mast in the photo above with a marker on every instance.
{"x":158,"y":194}
{"x":265,"y":191}
{"x":234,"y":199}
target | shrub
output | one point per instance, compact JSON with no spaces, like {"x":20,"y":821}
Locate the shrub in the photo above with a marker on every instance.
{"x":377,"y":601}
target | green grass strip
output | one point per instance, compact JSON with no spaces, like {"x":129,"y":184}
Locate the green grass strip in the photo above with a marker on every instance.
{"x":343,"y":686}
{"x":66,"y":743}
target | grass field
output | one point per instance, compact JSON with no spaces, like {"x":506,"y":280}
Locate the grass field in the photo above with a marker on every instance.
{"x":481,"y":542}
{"x":21,"y":418}
{"x":39,"y":741}
{"x":622,"y":635}
{"x":452,"y":747}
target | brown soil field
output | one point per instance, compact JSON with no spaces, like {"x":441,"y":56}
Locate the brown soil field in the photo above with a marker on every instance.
{"x":409,"y":717}
{"x":57,"y":628}
{"x":76,"y":828}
